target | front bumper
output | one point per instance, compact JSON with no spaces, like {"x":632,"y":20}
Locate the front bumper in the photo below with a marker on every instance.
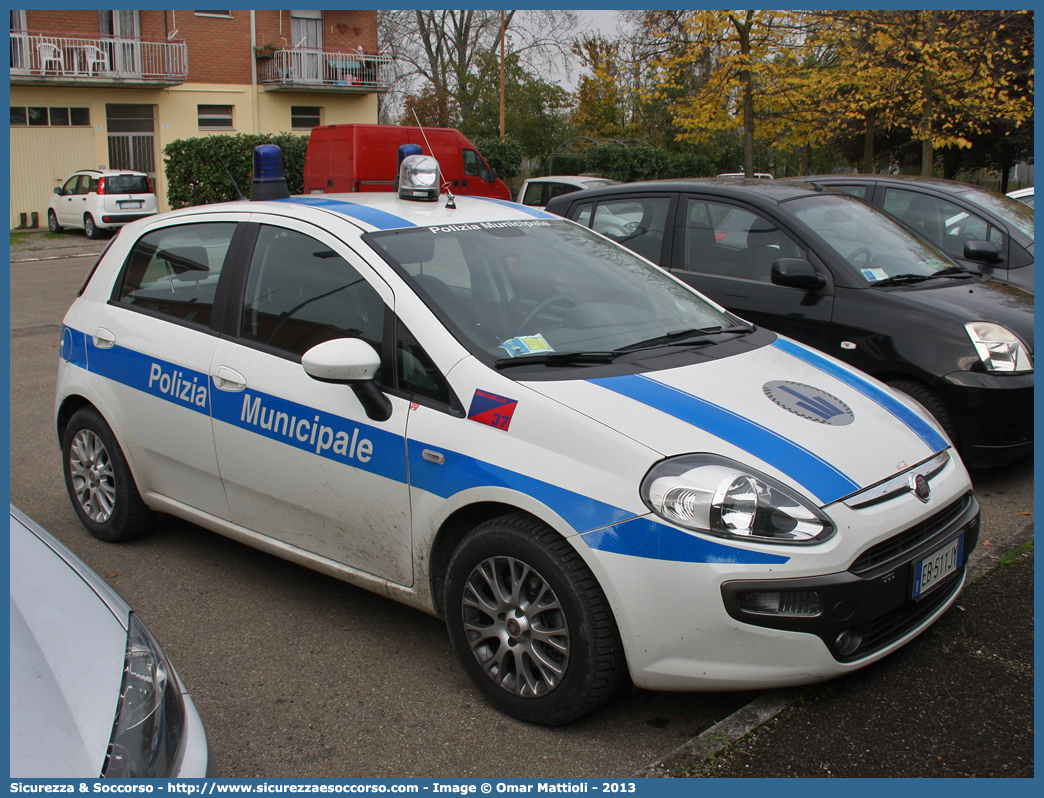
{"x":869,"y":606}
{"x":994,"y":413}
{"x":678,"y":632}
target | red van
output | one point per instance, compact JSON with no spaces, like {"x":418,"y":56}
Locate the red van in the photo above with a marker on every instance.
{"x":363,"y":158}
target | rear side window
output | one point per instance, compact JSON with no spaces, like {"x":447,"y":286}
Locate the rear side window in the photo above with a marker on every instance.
{"x":534,"y":195}
{"x":175,"y":271}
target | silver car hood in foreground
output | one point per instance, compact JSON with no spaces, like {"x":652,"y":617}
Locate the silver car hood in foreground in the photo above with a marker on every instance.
{"x":68,"y":642}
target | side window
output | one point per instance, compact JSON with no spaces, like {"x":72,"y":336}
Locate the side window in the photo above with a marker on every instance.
{"x":417,"y":373}
{"x":727,"y":240}
{"x":300,"y":293}
{"x":855,"y":191}
{"x":943,"y":223}
{"x":83,"y":187}
{"x":92,"y":187}
{"x":70,"y":186}
{"x":637,"y":223}
{"x":558,"y":189}
{"x":582,"y":214}
{"x":175,"y":271}
{"x":474,"y":166}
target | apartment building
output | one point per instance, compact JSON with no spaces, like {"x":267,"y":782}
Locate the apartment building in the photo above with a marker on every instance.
{"x":110,"y":89}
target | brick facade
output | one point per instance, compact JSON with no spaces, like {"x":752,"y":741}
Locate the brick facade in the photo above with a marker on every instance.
{"x":219,"y":47}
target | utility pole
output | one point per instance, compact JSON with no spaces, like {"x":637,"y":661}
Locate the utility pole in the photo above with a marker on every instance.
{"x":502,"y":74}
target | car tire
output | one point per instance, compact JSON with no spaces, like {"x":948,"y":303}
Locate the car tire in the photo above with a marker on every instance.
{"x":90,"y":228}
{"x":100,"y":482}
{"x":933,"y":403}
{"x":52,"y":222}
{"x":550,"y":667}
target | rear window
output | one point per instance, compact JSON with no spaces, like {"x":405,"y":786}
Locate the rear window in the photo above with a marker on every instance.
{"x":127,"y":184}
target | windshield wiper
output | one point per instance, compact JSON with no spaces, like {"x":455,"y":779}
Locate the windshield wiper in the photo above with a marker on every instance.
{"x":557,"y":359}
{"x":954,"y":271}
{"x":684,"y":338}
{"x":900,"y":279}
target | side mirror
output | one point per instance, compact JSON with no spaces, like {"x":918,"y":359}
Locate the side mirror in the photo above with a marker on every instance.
{"x":797,"y":273}
{"x":351,"y":362}
{"x":492,"y":175}
{"x":58,"y":190}
{"x":981,"y":251}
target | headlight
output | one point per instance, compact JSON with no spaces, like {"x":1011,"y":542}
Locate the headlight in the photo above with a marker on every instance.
{"x":714,"y":494}
{"x":999,"y":349}
{"x":150,"y":719}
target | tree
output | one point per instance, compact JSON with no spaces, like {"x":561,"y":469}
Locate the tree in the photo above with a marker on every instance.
{"x":944,"y":76}
{"x":754,"y":64}
{"x":443,"y":49}
{"x":536,"y":111}
{"x":599,"y":110}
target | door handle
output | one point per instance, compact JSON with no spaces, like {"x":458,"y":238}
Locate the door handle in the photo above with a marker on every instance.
{"x":103,"y":339}
{"x":227,"y":379}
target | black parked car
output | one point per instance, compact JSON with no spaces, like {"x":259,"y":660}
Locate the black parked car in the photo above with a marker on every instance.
{"x":838,"y":274}
{"x":982,"y":230}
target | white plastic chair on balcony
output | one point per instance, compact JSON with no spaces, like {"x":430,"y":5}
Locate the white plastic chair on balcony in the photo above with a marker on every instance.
{"x":95,"y":57}
{"x":51,"y":54}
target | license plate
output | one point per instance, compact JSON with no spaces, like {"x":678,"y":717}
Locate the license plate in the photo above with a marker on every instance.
{"x":136,"y":204}
{"x":934,"y":568}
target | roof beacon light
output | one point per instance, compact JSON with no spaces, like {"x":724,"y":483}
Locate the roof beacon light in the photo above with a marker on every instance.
{"x":404,"y":152}
{"x":419,"y":178}
{"x":269,"y":182}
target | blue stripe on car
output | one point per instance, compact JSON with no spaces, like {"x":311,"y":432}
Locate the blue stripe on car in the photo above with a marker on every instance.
{"x":645,"y":537}
{"x":374,"y":217}
{"x":821,"y":478}
{"x":537,"y":212}
{"x":921,"y":428}
{"x":604,"y":526}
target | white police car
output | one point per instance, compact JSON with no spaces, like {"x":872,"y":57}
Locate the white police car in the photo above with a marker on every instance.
{"x":494,"y":415}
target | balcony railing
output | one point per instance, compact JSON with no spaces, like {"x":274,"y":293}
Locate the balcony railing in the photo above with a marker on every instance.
{"x":316,"y":70}
{"x":42,"y":57}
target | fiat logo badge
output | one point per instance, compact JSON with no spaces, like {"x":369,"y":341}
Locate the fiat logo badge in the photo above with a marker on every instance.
{"x":920,"y":487}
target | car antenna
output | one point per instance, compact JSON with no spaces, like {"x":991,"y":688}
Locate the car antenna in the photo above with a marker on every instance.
{"x":450,"y":202}
{"x":229,"y":173}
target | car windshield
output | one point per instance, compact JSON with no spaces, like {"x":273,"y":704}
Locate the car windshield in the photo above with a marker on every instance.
{"x":876,"y":245}
{"x":1015,"y":213}
{"x":514,"y":289}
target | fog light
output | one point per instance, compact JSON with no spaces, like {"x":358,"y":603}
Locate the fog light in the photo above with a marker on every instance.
{"x":847,"y":642}
{"x":792,"y":604}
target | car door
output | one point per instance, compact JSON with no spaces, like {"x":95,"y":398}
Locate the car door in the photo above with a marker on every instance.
{"x":66,"y":209}
{"x":300,"y":460}
{"x":150,"y":349}
{"x":725,"y":250}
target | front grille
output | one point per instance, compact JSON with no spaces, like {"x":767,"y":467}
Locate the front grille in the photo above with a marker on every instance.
{"x":898,"y":548}
{"x":883,"y":631}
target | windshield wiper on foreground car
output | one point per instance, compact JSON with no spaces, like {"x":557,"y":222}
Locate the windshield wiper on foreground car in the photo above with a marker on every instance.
{"x":694,"y":336}
{"x":557,"y":359}
{"x":900,"y":279}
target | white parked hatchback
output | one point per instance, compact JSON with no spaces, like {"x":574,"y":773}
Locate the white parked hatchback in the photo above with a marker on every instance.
{"x":499,"y":417}
{"x":98,"y":200}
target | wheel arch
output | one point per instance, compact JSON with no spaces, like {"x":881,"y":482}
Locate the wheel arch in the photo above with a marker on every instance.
{"x":452,"y":531}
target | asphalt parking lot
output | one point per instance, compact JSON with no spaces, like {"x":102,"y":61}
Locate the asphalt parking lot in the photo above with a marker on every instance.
{"x":297,"y":674}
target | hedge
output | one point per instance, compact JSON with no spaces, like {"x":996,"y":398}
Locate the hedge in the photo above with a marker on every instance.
{"x":628,"y":164}
{"x":195,"y":175}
